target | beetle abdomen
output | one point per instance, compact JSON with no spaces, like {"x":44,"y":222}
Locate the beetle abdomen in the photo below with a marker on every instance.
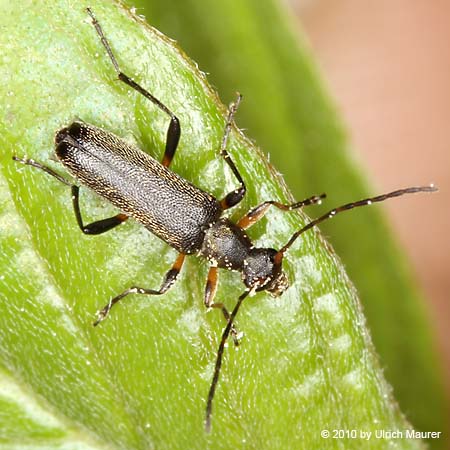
{"x":166,"y":204}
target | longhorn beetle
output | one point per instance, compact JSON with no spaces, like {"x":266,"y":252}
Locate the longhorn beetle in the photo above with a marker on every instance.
{"x":184,"y":216}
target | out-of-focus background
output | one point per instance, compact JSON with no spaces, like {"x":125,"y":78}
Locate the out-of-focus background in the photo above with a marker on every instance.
{"x":387,"y":65}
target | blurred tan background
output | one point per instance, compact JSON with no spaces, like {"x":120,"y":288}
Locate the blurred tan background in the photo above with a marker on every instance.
{"x":387,"y":65}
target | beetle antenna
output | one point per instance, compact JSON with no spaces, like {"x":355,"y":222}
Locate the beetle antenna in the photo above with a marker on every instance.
{"x":225,"y":334}
{"x":367,"y":201}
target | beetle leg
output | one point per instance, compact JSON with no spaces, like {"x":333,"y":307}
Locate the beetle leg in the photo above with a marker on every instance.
{"x":168,"y":281}
{"x":98,"y":227}
{"x":37,"y":165}
{"x":210,"y":293}
{"x":259,"y":211}
{"x":233,"y":197}
{"x":174,"y":131}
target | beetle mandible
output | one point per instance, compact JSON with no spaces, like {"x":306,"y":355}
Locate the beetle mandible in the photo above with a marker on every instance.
{"x":187,"y":218}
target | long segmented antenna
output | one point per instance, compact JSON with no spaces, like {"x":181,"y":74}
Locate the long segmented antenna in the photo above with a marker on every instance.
{"x":226,"y":333}
{"x":367,"y":201}
{"x":330,"y":214}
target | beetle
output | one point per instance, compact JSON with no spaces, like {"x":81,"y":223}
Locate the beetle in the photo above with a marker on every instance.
{"x":184,"y":216}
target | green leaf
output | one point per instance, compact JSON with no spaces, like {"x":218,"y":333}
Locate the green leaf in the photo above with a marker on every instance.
{"x":139,"y":381}
{"x":250,"y":46}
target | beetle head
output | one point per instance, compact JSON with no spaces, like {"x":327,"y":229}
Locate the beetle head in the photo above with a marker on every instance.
{"x":263,"y":271}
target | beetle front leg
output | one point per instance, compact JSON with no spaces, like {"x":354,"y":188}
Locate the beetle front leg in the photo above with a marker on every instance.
{"x":258,"y":212}
{"x":210,"y":293}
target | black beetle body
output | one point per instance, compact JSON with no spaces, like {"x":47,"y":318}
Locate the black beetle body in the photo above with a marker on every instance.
{"x":166,"y":204}
{"x":186,"y":217}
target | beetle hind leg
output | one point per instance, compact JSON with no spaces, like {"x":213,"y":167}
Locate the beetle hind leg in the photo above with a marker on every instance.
{"x":174,"y":130}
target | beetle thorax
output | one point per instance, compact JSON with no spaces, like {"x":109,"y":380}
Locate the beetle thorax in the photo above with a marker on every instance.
{"x":228,"y":246}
